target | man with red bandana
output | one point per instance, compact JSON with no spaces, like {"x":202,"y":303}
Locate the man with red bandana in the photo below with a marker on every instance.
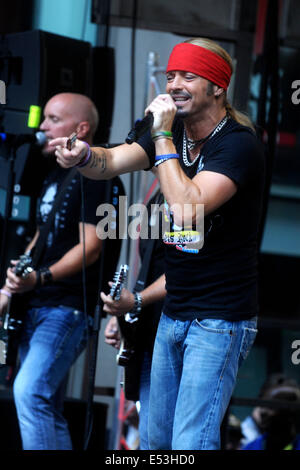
{"x":211,"y":170}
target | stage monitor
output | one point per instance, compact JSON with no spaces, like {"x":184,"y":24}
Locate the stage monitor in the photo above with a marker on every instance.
{"x":35,"y":65}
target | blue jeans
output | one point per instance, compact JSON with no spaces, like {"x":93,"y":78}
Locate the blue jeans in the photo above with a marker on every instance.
{"x":52,"y":339}
{"x":194,"y":369}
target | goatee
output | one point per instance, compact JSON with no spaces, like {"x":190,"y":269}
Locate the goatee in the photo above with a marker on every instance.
{"x":181,"y":113}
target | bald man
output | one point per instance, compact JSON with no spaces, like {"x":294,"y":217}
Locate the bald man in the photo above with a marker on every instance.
{"x":56,"y":321}
{"x":67,"y":111}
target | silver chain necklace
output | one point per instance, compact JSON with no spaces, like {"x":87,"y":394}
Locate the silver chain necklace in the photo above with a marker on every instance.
{"x":186,"y":161}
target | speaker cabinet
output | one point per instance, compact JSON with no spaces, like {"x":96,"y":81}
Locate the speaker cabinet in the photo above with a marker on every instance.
{"x":35,"y":65}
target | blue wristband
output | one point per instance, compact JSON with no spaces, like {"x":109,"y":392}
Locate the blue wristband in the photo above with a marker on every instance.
{"x":168,"y":156}
{"x":163,"y":158}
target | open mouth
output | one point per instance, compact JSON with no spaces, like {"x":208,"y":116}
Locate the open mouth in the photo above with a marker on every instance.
{"x":180,"y":100}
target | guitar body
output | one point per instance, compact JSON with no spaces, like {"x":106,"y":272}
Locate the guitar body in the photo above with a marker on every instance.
{"x":130,"y":356}
{"x":13,"y":325}
{"x":131,"y":378}
{"x":127,"y":347}
{"x":13,"y":319}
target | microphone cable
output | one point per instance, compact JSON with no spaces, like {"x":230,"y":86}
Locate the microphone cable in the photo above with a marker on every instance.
{"x":89,"y":422}
{"x":89,"y":404}
{"x":132,"y":101}
{"x":82,"y":210}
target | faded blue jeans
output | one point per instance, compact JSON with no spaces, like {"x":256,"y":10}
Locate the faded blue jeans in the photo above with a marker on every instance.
{"x":194,"y":369}
{"x":52,"y":339}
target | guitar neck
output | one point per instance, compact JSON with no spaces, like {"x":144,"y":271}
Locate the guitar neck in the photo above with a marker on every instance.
{"x":119,"y":281}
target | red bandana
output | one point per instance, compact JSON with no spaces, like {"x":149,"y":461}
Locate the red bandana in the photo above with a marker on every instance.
{"x":196,"y":59}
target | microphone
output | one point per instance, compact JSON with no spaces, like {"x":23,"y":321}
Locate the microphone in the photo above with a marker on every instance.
{"x":140,"y":127}
{"x":39,"y":138}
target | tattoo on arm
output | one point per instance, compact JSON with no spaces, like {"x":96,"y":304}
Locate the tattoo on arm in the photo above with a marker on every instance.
{"x":98,"y":161}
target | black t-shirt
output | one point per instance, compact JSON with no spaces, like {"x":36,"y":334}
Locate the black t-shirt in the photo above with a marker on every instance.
{"x":64,"y":234}
{"x":220,"y":279}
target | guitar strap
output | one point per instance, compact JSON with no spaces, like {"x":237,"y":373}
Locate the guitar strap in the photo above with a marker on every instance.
{"x":40,"y":243}
{"x":143,"y":273}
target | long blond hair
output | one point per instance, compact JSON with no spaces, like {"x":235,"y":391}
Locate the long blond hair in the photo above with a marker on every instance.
{"x":212,"y":46}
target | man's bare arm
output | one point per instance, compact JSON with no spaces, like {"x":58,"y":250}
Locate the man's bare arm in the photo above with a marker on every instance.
{"x":70,"y":264}
{"x":101,"y":163}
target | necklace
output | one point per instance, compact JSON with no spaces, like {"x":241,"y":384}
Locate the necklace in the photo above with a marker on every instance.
{"x":189,"y":144}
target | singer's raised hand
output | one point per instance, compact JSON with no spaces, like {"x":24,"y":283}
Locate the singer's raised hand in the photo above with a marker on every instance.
{"x":68,"y":158}
{"x":164,"y":110}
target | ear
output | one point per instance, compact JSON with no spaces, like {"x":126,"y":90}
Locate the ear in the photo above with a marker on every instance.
{"x":83,"y":129}
{"x":219,"y":92}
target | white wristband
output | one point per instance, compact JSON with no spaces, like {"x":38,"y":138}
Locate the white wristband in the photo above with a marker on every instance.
{"x":5,"y":292}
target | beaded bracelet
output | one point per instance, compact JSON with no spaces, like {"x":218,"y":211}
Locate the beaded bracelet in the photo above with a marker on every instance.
{"x":163,"y":158}
{"x":84,"y":161}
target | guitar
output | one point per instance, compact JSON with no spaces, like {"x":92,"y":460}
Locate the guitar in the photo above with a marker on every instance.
{"x":128,"y":356}
{"x":13,"y":322}
{"x":126,"y":350}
